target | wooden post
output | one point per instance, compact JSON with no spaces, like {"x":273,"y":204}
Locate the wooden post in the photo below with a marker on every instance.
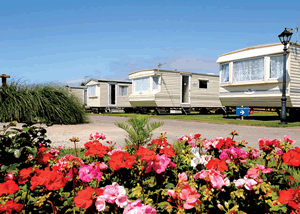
{"x":4,"y":76}
{"x":242,"y":115}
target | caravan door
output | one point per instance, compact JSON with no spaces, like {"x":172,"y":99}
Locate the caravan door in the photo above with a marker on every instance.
{"x":185,"y":89}
{"x":112,"y":94}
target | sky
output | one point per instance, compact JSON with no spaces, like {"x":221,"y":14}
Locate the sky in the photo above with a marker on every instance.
{"x":68,"y":42}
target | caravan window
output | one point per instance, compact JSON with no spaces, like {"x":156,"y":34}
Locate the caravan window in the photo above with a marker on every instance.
{"x":123,"y":91}
{"x":155,"y":83}
{"x":203,"y":83}
{"x":91,"y":90}
{"x":276,"y":66}
{"x":247,"y":70}
{"x":141,"y":84}
{"x":225,"y":73}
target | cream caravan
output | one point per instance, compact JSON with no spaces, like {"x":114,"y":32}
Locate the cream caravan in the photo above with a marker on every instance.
{"x":252,"y":76}
{"x":170,"y":91}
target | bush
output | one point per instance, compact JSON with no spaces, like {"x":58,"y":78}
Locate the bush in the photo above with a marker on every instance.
{"x":55,"y":104}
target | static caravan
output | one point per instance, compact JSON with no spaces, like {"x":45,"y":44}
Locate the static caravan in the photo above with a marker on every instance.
{"x":108,"y":95}
{"x":80,"y":92}
{"x":174,"y":91}
{"x":252,"y":77}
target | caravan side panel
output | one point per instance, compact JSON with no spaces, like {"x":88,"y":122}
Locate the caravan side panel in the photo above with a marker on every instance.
{"x":94,"y":101}
{"x":201,"y":97}
{"x":104,"y":94}
{"x":123,"y":101}
{"x":169,"y":95}
{"x":295,"y":75}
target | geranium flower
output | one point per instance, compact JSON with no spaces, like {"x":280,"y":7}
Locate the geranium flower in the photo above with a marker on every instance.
{"x":115,"y":194}
{"x":137,"y":207}
{"x":215,"y":177}
{"x":217,"y":164}
{"x":9,"y":187}
{"x":292,"y":157}
{"x":268,"y":145}
{"x":100,"y":203}
{"x":121,"y":160}
{"x":9,"y":176}
{"x":24,"y":175}
{"x":160,"y":164}
{"x":86,"y":173}
{"x":11,"y":206}
{"x":84,"y":198}
{"x":291,"y":198}
{"x":96,"y":148}
{"x":246,"y":182}
{"x":118,"y":149}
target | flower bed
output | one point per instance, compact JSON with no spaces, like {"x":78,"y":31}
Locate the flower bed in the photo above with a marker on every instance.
{"x":194,"y":175}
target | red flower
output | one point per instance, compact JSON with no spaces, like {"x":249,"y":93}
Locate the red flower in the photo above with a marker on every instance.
{"x":121,"y":160}
{"x":225,"y":143}
{"x":84,"y":198}
{"x":167,"y":151}
{"x":291,"y":198}
{"x":144,"y":152}
{"x":268,"y":145}
{"x":10,"y":206}
{"x":159,"y":142}
{"x":24,"y":175}
{"x":96,"y":149}
{"x":44,"y":158}
{"x":50,"y":179}
{"x":9,"y":187}
{"x":217,"y":164}
{"x":292,"y":157}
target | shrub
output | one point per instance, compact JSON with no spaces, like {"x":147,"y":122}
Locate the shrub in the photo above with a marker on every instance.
{"x":55,"y":104}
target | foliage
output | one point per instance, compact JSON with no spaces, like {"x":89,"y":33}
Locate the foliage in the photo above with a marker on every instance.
{"x":138,"y":129}
{"x":54,"y":104}
{"x":194,"y":175}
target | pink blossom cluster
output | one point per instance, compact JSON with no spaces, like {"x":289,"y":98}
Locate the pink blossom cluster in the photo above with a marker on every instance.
{"x":212,"y":143}
{"x":252,"y":177}
{"x":118,"y":149}
{"x":216,"y":178}
{"x":189,"y":138}
{"x":88,"y":172}
{"x":66,"y":163}
{"x":53,"y":151}
{"x":234,"y":153}
{"x":288,"y":140}
{"x":246,"y":182}
{"x":137,"y":207}
{"x":97,"y":136}
{"x":185,"y":196}
{"x":160,"y":164}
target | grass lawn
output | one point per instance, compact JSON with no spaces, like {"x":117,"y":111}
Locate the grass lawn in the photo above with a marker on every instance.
{"x":265,"y":118}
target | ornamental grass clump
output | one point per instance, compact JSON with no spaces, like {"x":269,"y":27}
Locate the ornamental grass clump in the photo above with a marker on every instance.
{"x":53,"y":103}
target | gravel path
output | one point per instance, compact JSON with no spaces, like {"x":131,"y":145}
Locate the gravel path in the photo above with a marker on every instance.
{"x":60,"y":134}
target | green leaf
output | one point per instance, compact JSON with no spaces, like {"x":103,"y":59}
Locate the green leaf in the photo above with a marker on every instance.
{"x":17,"y":153}
{"x":170,"y":186}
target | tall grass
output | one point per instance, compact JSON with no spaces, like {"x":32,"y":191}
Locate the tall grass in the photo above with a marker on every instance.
{"x":23,"y":102}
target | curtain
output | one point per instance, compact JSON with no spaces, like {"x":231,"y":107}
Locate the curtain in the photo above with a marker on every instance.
{"x":225,"y":73}
{"x":123,"y":90}
{"x":141,"y":84}
{"x":276,"y":66}
{"x":247,"y":70}
{"x":155,"y":83}
{"x":91,"y":90}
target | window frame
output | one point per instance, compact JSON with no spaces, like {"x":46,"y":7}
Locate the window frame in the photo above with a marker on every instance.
{"x":152,"y":83}
{"x":88,"y":89}
{"x":126,"y":86}
{"x":207,"y":81}
{"x":269,"y":71}
{"x":133,"y":84}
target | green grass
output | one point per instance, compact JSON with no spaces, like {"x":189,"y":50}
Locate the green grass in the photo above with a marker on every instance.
{"x":68,"y":151}
{"x":268,"y":119}
{"x":53,"y":103}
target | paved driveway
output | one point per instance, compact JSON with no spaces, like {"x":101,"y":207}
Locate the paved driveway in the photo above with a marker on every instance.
{"x":59,"y":134}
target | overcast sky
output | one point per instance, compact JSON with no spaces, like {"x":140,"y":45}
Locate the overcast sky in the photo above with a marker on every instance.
{"x":70,"y":41}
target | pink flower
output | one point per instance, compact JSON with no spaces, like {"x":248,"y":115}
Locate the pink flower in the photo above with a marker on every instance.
{"x":182,"y":177}
{"x":54,"y":152}
{"x":239,"y":182}
{"x":86,"y":173}
{"x":287,"y":139}
{"x":249,"y":183}
{"x":160,"y":165}
{"x":279,"y":152}
{"x":215,"y":177}
{"x":100,"y":203}
{"x":9,"y":176}
{"x":99,"y":136}
{"x":137,"y":207}
{"x":60,"y":147}
{"x":118,"y":149}
{"x":190,"y":195}
{"x":115,"y":194}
